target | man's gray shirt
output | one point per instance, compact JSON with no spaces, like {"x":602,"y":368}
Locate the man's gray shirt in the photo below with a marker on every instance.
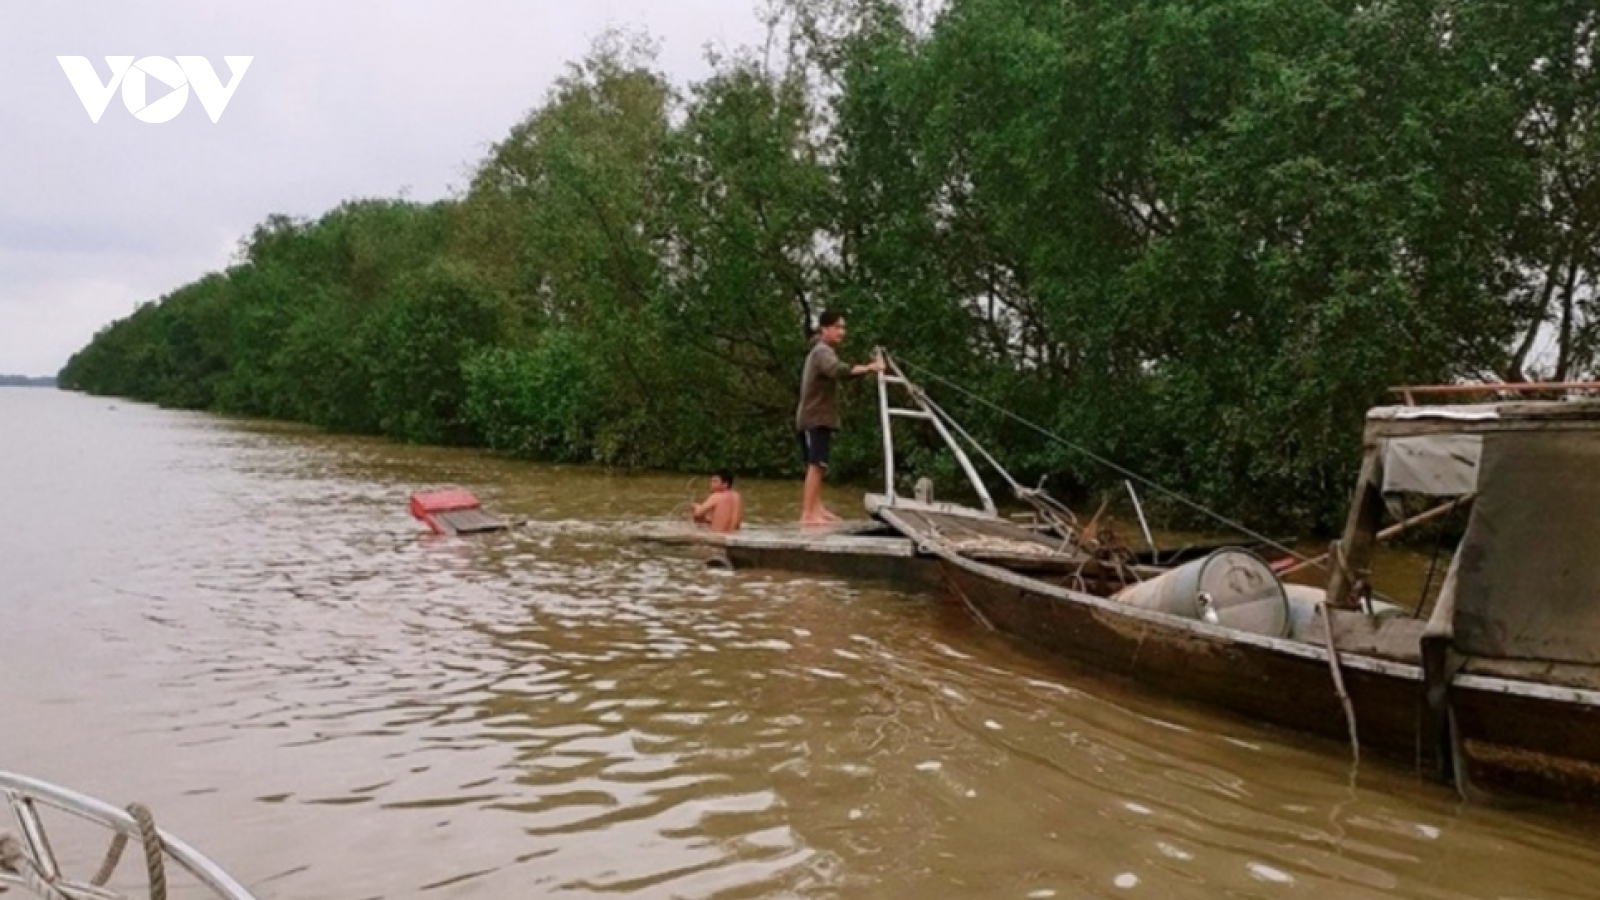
{"x":819,"y":388}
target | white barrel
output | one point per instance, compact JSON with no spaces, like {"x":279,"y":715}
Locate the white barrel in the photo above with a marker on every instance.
{"x":1303,"y":603}
{"x":1304,"y":600}
{"x":1232,"y":588}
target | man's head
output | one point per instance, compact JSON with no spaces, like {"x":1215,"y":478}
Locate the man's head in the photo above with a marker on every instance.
{"x":721,"y":480}
{"x":830,"y":327}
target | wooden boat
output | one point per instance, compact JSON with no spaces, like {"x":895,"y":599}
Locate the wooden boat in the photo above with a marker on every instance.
{"x":1499,"y":689}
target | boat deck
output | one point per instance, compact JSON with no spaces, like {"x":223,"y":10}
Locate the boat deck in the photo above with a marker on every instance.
{"x":866,"y":549}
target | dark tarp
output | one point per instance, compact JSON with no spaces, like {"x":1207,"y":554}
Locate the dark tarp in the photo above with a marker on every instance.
{"x":1529,"y":567}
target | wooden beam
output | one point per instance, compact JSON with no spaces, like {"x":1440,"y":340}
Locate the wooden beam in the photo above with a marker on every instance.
{"x":1394,"y":530}
{"x":1382,"y":429}
{"x":1352,"y":556}
{"x":1514,"y":387}
{"x":1482,"y":418}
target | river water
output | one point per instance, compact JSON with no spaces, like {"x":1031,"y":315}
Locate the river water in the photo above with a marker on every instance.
{"x":239,"y":625}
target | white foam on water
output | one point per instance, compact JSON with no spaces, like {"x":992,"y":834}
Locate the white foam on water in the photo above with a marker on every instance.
{"x":1264,"y":872}
{"x":951,"y":652}
{"x":1052,"y":686}
{"x":1172,"y":852}
{"x":1171,"y":726}
{"x":1126,"y":880}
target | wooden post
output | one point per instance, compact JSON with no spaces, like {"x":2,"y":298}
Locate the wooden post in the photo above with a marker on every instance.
{"x":885,"y":423}
{"x":1351,"y":567}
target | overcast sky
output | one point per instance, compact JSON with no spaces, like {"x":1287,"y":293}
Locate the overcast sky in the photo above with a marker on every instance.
{"x":343,"y":99}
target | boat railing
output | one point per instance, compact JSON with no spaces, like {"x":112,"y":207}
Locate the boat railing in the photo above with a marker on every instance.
{"x":1412,"y":393}
{"x":30,"y":862}
{"x":924,"y":409}
{"x":1047,"y":510}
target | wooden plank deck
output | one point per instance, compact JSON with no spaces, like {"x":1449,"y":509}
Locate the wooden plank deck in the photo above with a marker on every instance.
{"x":846,"y":537}
{"x":471,"y":521}
{"x":864,"y":550}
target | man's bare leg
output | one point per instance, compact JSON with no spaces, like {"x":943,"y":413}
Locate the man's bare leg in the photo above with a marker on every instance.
{"x":811,"y":511}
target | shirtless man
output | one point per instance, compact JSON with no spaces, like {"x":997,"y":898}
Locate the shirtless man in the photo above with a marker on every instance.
{"x":818,"y":416}
{"x":724,"y":509}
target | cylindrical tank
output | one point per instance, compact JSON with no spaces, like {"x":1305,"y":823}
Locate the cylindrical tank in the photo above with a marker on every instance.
{"x":1303,"y":603}
{"x":1304,"y":600}
{"x":1233,"y":588}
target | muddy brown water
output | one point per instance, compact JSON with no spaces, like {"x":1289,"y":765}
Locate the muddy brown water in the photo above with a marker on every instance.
{"x":239,"y":625}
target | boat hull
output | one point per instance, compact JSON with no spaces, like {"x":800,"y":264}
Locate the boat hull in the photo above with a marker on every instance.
{"x":1294,"y":691}
{"x":1543,"y":744}
{"x":890,"y":560}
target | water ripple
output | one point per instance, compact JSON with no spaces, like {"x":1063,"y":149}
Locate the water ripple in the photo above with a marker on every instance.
{"x":238,"y":625}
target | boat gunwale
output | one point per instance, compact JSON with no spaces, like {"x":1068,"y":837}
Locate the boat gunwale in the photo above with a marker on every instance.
{"x":1221,"y":634}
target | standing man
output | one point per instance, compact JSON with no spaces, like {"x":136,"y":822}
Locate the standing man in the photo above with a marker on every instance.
{"x":818,"y":416}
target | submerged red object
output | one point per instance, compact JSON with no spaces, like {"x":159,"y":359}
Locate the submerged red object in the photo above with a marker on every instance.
{"x":454,"y":511}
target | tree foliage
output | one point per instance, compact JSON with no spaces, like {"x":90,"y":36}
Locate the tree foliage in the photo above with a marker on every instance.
{"x":1200,"y":238}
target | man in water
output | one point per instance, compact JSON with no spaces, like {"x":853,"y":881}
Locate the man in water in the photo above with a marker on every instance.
{"x":724,"y":509}
{"x":818,"y":416}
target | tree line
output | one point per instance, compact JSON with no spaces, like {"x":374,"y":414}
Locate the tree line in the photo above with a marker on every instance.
{"x":1199,"y":237}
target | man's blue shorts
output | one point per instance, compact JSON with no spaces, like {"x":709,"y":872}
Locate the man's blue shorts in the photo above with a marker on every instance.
{"x":814,"y":446}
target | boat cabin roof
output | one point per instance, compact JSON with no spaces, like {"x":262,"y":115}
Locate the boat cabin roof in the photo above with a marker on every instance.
{"x":1482,"y":418}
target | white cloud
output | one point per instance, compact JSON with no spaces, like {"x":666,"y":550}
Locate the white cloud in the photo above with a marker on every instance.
{"x":342,"y":100}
